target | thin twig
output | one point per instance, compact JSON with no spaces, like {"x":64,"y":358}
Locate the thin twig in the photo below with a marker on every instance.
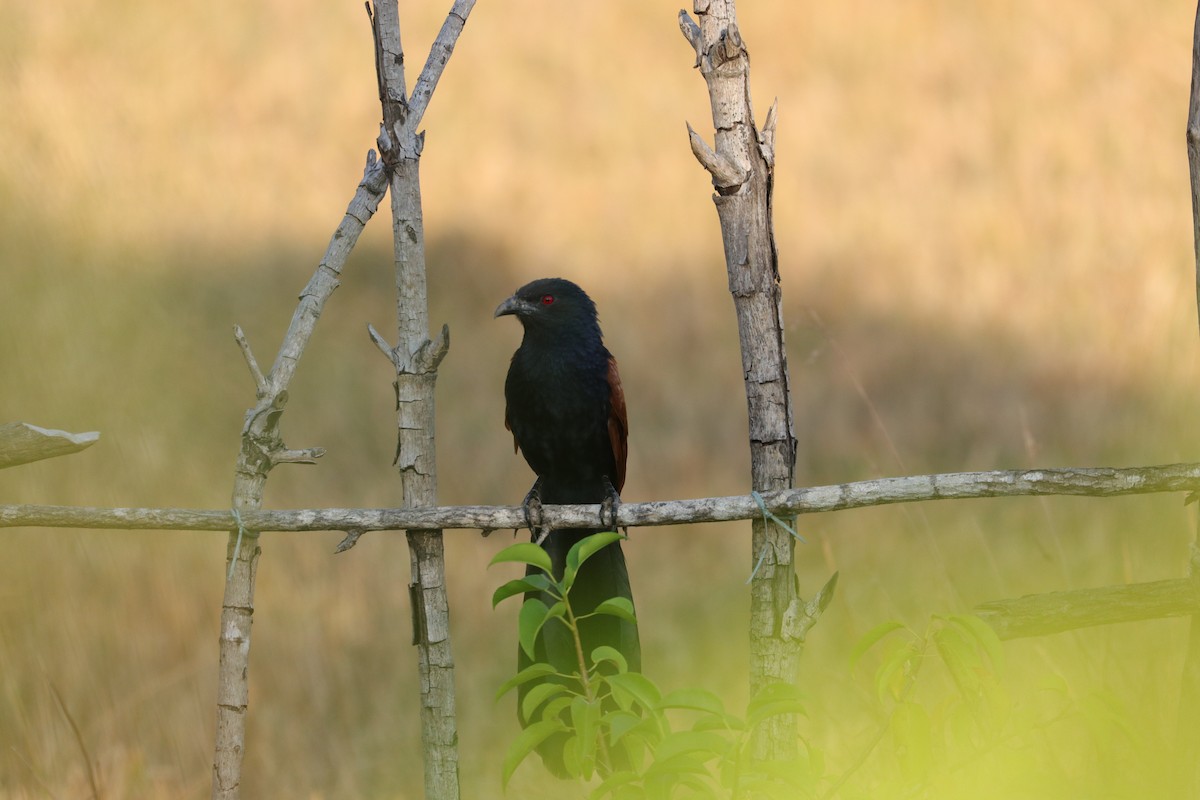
{"x":260,"y":380}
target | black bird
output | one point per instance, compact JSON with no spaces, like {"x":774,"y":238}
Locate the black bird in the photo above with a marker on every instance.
{"x":566,"y":410}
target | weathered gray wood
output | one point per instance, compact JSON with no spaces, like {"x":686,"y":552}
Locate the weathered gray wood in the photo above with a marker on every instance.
{"x":262,"y":448}
{"x":742,"y":164}
{"x":1080,"y":482}
{"x":1056,"y":612}
{"x":1193,"y":147}
{"x":1189,"y":701}
{"x":22,"y":443}
{"x":416,"y":358}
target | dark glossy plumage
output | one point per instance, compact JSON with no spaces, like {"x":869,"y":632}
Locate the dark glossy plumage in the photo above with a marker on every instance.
{"x":566,"y":410}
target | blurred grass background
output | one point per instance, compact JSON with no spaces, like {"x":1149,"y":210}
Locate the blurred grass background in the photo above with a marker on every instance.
{"x":983,"y":216}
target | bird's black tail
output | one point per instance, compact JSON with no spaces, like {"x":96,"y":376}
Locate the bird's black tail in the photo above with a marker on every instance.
{"x":601,"y":577}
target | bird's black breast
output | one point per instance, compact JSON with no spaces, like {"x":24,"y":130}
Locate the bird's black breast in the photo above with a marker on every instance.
{"x":558,"y":401}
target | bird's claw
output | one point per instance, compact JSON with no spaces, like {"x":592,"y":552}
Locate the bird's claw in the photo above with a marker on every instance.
{"x":532,"y":507}
{"x":608,"y":508}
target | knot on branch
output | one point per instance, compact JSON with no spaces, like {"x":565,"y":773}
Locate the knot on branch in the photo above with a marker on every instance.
{"x":425,"y":360}
{"x":728,"y":49}
{"x":399,"y":144}
{"x":263,"y":419}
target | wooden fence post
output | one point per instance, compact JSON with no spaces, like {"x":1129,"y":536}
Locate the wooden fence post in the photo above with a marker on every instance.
{"x":742,"y":164}
{"x":416,"y":358}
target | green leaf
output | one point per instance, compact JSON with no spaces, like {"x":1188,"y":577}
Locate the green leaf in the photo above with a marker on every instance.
{"x":530,"y":583}
{"x":891,"y":676}
{"x":570,"y":757}
{"x":700,"y":786}
{"x":611,"y":654}
{"x":530,"y":673}
{"x":675,"y":767}
{"x":538,"y":695}
{"x":524,"y":553}
{"x":706,"y":743}
{"x":620,"y":723}
{"x":585,"y":718}
{"x":984,"y":635}
{"x":870,"y":638}
{"x":633,"y":687}
{"x":961,"y":660}
{"x":615,"y":781}
{"x":694,"y":699}
{"x":911,"y":733}
{"x":584,"y":549}
{"x":616,"y":607}
{"x":529,"y":622}
{"x":558,"y":705}
{"x":556,"y":611}
{"x":725,"y":722}
{"x":525,"y":743}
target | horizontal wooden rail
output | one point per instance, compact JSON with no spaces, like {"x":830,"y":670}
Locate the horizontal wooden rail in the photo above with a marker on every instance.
{"x":1083,"y":481}
{"x":1056,"y":612}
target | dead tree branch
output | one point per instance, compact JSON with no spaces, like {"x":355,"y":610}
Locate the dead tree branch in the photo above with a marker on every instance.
{"x":1193,"y":147}
{"x":22,"y":443}
{"x":415,"y":359}
{"x":1056,"y":612}
{"x":1079,"y":482}
{"x":741,"y":164}
{"x":1189,"y":699}
{"x":261,"y":449}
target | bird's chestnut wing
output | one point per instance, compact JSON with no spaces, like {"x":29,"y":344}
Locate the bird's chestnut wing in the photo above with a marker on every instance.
{"x":618,"y":423}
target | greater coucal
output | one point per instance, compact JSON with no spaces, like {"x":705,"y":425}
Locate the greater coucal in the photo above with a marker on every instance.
{"x":566,"y":410}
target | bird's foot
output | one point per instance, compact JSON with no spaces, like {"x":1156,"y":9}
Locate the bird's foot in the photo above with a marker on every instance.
{"x":608,"y":507}
{"x":532,"y":506}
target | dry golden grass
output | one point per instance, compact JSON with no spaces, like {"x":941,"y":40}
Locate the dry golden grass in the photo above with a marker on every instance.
{"x":984,"y":221}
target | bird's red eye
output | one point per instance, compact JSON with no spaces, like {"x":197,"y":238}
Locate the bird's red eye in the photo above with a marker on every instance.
{"x":547,"y":299}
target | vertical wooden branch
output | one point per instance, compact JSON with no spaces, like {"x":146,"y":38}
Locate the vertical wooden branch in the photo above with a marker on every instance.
{"x":1189,"y":700}
{"x":741,"y":165}
{"x":416,"y":358}
{"x":262,"y":448}
{"x":1193,"y":147}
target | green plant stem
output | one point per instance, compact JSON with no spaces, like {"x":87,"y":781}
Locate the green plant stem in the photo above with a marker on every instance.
{"x":573,"y":624}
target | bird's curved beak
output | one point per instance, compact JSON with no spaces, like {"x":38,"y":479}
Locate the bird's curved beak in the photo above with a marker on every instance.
{"x":513,"y":305}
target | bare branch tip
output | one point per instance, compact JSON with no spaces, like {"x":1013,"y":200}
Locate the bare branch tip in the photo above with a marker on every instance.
{"x":260,"y":381}
{"x":724,"y":172}
{"x":381,"y":343}
{"x":306,"y":456}
{"x":691,"y":32}
{"x":441,"y":345}
{"x":350,"y":540}
{"x":772,"y":116}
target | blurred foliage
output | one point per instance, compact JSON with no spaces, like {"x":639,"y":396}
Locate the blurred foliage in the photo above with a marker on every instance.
{"x":983,"y":217}
{"x":614,"y":726}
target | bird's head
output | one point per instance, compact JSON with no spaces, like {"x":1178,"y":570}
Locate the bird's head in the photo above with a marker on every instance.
{"x":551,"y":305}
